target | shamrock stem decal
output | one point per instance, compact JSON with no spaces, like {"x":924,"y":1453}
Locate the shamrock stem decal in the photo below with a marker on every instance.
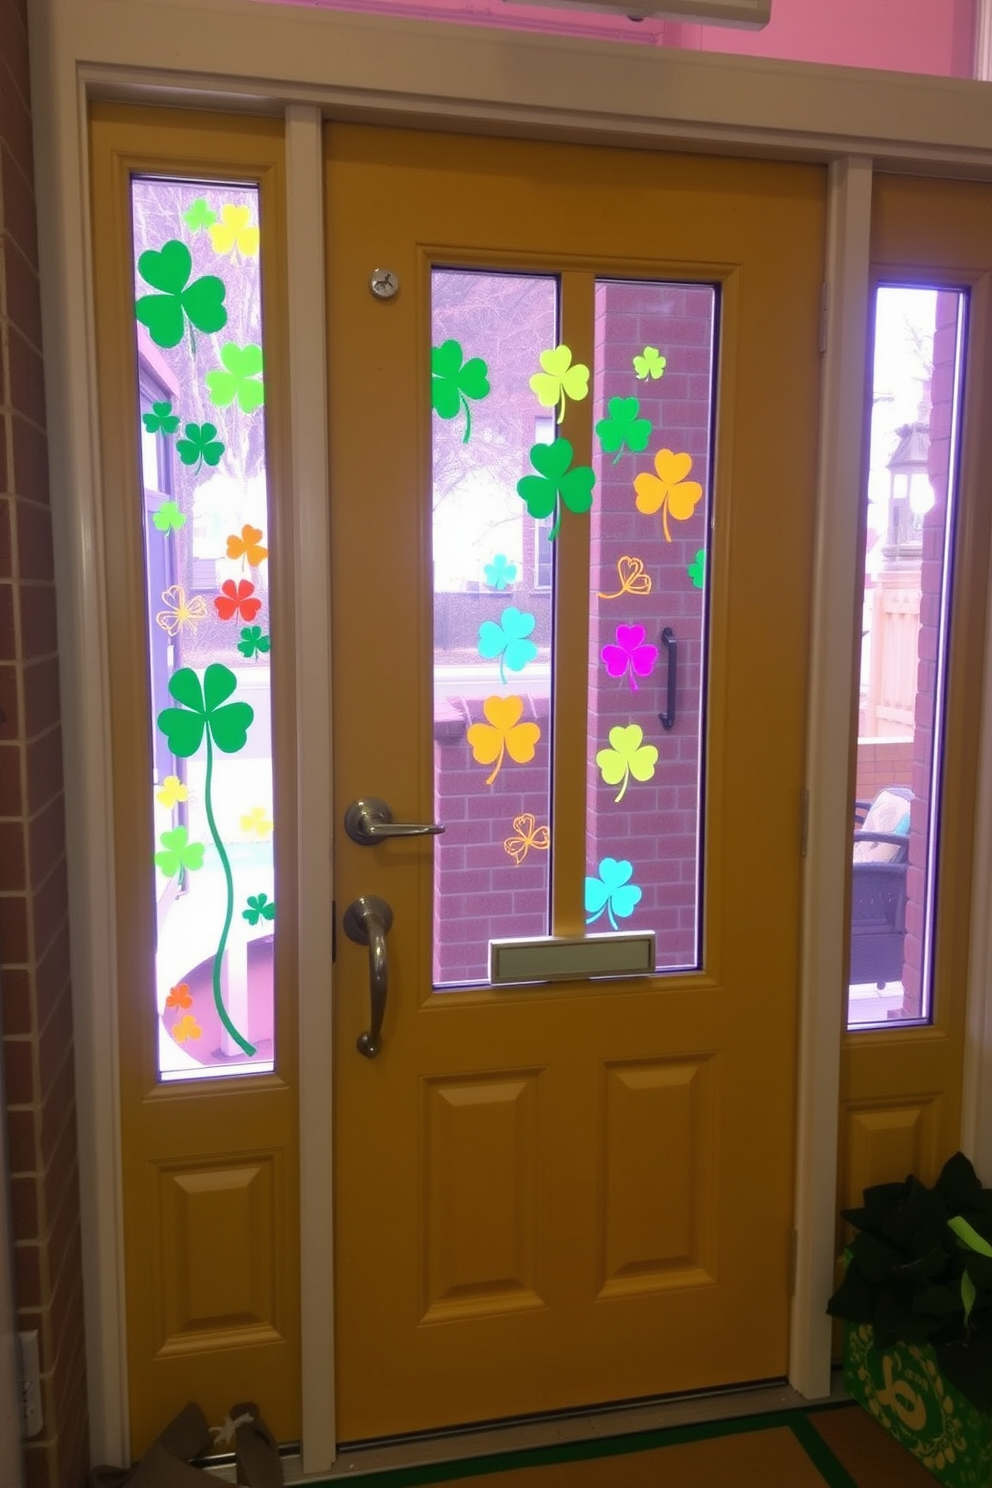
{"x":555,"y":483}
{"x":207,"y":715}
{"x":453,"y":382}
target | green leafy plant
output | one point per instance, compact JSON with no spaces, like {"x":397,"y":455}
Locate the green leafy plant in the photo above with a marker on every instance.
{"x":919,"y":1271}
{"x":165,"y":314}
{"x":205,"y":715}
{"x":454,"y":381}
{"x":555,"y":483}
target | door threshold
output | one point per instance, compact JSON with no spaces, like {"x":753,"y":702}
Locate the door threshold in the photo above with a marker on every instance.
{"x":465,"y":1443}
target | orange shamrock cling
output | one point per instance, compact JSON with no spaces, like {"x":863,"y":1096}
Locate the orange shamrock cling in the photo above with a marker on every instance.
{"x":502,"y":734}
{"x":668,"y":489}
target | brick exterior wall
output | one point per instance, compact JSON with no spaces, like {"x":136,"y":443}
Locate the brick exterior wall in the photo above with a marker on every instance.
{"x":34,"y":931}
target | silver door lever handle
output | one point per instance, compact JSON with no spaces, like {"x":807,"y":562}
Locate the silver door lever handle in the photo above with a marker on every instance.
{"x":367,"y":921}
{"x":370,"y":820}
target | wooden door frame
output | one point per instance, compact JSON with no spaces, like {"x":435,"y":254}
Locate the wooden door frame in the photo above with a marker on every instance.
{"x":310,"y":64}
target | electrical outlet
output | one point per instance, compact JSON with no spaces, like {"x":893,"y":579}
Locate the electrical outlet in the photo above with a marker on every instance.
{"x":31,"y":1417}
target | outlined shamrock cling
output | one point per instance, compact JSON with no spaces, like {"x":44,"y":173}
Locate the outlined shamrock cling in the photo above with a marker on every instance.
{"x":206,"y":716}
{"x":454,"y":381}
{"x":612,"y":891}
{"x":628,"y":756}
{"x":502,"y":734}
{"x":165,"y":314}
{"x":555,"y":483}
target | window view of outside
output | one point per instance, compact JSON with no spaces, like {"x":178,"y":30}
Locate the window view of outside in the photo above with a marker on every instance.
{"x":910,"y":499}
{"x":201,"y":394}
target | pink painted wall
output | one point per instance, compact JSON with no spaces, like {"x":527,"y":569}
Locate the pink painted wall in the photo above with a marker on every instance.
{"x":922,"y":36}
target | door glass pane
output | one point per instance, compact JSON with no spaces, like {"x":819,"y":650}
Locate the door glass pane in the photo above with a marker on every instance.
{"x":919,"y":334}
{"x":653,"y":411}
{"x":493,"y":605}
{"x":202,"y":439}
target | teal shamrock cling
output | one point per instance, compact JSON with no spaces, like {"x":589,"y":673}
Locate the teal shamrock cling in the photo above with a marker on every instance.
{"x":612,"y":891}
{"x":508,"y":640}
{"x":241,"y":378}
{"x":161,"y":419}
{"x":624,"y":427}
{"x":205,"y":715}
{"x":555,"y":483}
{"x":178,"y":852}
{"x":201,"y":446}
{"x":454,"y":381}
{"x":260,"y":907}
{"x":165,"y":314}
{"x":501,"y":573}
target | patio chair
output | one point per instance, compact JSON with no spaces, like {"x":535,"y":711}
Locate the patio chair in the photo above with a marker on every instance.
{"x":878,"y":887}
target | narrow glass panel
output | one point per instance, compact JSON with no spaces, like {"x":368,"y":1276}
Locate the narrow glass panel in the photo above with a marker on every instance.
{"x":916,"y":386}
{"x":493,"y":603}
{"x":652,"y":457}
{"x":202,"y":428}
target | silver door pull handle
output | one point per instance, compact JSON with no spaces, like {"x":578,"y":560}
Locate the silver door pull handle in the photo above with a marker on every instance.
{"x":370,"y":820}
{"x":367,"y":922}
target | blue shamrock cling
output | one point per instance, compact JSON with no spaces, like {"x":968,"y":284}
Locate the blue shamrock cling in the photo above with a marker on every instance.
{"x":508,"y":640}
{"x":501,"y":573}
{"x":612,"y":891}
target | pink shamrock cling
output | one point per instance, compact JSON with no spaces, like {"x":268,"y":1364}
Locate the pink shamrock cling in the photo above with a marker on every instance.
{"x":630,"y":654}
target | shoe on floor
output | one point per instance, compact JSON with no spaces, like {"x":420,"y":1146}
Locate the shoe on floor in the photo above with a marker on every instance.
{"x":258,"y":1461}
{"x":166,"y":1463}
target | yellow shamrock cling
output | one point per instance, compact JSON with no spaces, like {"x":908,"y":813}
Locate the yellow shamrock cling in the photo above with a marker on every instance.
{"x":233,"y":231}
{"x":629,"y":756}
{"x":559,"y":379}
{"x":503,"y":734}
{"x":668,"y":489}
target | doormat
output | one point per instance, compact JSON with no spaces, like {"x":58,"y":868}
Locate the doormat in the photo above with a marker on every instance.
{"x":836,"y":1445}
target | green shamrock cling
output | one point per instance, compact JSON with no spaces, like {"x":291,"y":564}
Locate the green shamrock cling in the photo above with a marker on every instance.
{"x":169,"y":518}
{"x":161,"y":420}
{"x":650,"y":363}
{"x":554,"y":482}
{"x":178,"y":852}
{"x":199,"y":216}
{"x":697,"y":569}
{"x":206,"y":715}
{"x":559,"y":379}
{"x":628,"y":756}
{"x":200,"y":447}
{"x":165,"y":314}
{"x":623,"y":427}
{"x":260,"y":907}
{"x":508,"y":640}
{"x":612,"y":891}
{"x":454,"y":382}
{"x":253,"y":642}
{"x":242,"y":378}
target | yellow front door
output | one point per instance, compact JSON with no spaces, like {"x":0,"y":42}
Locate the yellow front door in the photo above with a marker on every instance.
{"x":555,"y":1194}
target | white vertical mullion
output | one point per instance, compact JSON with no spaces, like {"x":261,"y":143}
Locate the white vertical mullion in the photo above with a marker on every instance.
{"x":835,"y":590}
{"x":983,"y":41}
{"x":311,"y":642}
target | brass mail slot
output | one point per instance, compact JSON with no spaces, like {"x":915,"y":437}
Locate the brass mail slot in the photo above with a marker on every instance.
{"x":558,"y":958}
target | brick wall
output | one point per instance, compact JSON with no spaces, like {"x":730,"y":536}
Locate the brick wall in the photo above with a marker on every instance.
{"x":34,"y":948}
{"x":883,"y":762}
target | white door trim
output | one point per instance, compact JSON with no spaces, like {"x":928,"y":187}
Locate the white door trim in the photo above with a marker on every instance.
{"x":301,"y":60}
